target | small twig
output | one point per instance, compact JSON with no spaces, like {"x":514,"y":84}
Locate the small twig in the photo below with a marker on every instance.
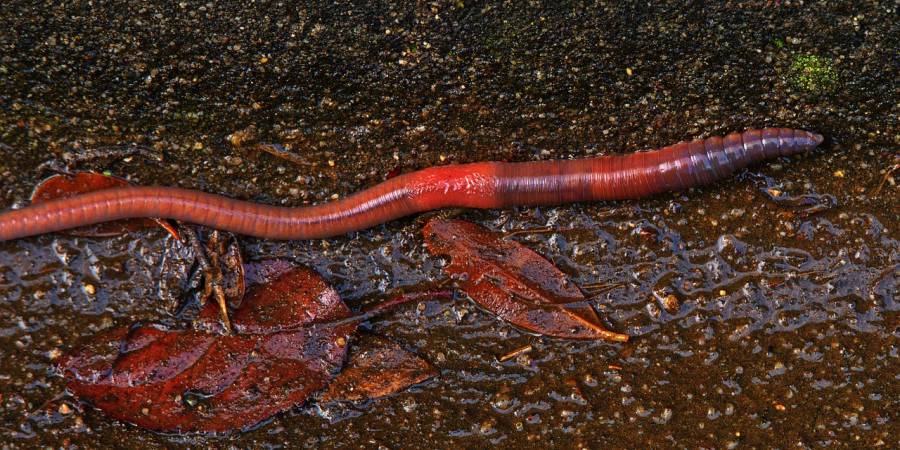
{"x":615,"y":211}
{"x":43,"y":407}
{"x":279,"y":151}
{"x":99,"y":153}
{"x":400,"y":299}
{"x":884,"y":179}
{"x":539,"y":230}
{"x":519,"y":351}
{"x":223,"y":309}
{"x":385,"y":306}
{"x":599,"y":288}
{"x":814,"y":203}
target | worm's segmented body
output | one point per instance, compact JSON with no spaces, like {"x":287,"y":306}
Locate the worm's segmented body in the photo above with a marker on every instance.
{"x":478,"y":185}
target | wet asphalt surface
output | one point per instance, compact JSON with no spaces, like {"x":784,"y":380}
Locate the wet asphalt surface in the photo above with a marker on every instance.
{"x":785,"y":331}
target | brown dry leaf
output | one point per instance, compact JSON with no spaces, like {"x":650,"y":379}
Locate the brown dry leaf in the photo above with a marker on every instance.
{"x":290,"y":341}
{"x":515,"y":283}
{"x":378,"y":367}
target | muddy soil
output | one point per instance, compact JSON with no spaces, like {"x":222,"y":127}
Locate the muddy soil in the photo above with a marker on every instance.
{"x":755,"y":323}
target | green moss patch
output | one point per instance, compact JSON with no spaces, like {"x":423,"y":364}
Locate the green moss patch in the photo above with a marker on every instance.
{"x":813,"y":74}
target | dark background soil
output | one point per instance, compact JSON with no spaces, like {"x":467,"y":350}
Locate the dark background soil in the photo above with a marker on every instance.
{"x":787,"y":330}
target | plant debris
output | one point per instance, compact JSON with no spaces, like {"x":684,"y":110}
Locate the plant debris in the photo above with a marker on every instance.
{"x":289,"y":343}
{"x":515,"y":283}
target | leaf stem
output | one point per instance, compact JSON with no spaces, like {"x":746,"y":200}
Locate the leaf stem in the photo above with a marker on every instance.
{"x":391,"y":303}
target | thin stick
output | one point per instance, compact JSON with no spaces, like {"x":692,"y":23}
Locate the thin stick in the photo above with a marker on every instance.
{"x":515,"y":353}
{"x":279,"y":151}
{"x":884,"y":179}
{"x":540,"y":230}
{"x":389,"y":304}
{"x":100,"y":153}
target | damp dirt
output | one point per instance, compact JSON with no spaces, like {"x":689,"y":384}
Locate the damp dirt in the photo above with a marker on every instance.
{"x":756,"y":321}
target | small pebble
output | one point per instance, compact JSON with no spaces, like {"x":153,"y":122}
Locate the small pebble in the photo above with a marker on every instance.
{"x":666,"y":415}
{"x":779,"y":367}
{"x":241,"y":137}
{"x":64,"y":409}
{"x":487,"y":427}
{"x":670,"y":303}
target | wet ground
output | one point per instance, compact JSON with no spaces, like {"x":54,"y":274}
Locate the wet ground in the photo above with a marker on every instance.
{"x":784,"y":329}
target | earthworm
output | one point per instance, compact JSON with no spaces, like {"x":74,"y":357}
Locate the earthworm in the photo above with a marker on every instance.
{"x":476,"y":185}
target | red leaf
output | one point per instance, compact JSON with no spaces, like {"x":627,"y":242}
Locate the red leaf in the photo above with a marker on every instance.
{"x":62,"y":186}
{"x":514,"y":282}
{"x":264,"y":271}
{"x":272,"y":307}
{"x":290,"y":343}
{"x":378,"y":367}
{"x":236,"y":280}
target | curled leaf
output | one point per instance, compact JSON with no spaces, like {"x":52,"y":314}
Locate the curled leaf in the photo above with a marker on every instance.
{"x":515,"y":283}
{"x":62,"y":186}
{"x":220,"y":268}
{"x":291,"y":341}
{"x":224,"y":254}
{"x":378,"y":367}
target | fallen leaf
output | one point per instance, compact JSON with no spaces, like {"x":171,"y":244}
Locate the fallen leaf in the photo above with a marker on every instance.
{"x":378,"y":367}
{"x":291,"y":340}
{"x":264,"y":271}
{"x":296,"y":298}
{"x":515,"y":283}
{"x":63,"y":186}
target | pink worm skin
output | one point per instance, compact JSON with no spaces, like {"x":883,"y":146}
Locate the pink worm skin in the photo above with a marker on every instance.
{"x":478,"y":185}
